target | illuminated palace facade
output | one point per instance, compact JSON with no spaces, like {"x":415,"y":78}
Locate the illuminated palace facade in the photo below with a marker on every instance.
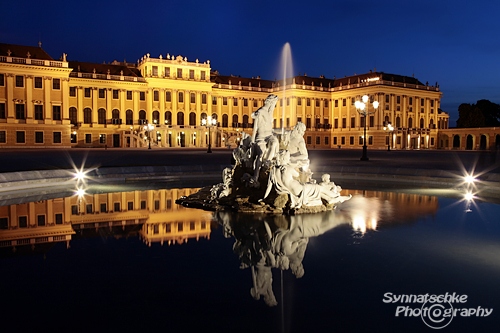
{"x":59,"y":103}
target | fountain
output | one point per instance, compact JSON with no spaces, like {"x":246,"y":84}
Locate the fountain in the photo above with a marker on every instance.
{"x":271,"y":172}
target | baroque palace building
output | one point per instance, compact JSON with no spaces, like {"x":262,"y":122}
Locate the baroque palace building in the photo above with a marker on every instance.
{"x":48,"y":103}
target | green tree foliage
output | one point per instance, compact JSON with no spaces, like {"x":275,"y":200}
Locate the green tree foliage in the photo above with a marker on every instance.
{"x":482,"y":114}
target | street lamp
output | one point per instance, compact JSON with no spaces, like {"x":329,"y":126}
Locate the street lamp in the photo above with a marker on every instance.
{"x":362,"y":108}
{"x":209,"y":122}
{"x":149,"y":128}
{"x":389,"y":130}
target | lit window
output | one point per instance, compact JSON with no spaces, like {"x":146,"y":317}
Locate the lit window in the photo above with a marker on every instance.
{"x":38,"y":82}
{"x":19,"y":81}
{"x":56,"y":84}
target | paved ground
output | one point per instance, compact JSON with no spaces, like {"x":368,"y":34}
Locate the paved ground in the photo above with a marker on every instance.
{"x":49,"y":159}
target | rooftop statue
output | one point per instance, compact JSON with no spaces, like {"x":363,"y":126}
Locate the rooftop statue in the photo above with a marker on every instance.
{"x":271,"y":174}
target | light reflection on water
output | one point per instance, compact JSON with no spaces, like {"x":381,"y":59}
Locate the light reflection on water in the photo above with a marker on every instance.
{"x":154,"y":251}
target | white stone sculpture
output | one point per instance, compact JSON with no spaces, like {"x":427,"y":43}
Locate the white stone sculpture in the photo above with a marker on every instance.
{"x":271,"y":173}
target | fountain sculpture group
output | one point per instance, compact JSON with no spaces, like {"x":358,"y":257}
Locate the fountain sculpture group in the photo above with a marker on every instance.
{"x":270,"y":174}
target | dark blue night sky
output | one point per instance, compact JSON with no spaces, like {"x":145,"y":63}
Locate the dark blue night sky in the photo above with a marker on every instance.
{"x":454,"y":43}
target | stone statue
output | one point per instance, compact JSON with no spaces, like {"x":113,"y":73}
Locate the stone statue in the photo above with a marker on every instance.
{"x":297,"y":147}
{"x":283,"y":177}
{"x":266,"y":143}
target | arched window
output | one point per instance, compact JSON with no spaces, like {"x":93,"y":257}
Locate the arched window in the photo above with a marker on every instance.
{"x":101,"y":116}
{"x":168,"y":118}
{"x":129,"y":117}
{"x":180,"y":118}
{"x":398,"y":121}
{"x":410,"y":122}
{"x":192,"y":119}
{"x":470,"y":142}
{"x":203,"y":116}
{"x":225,"y":120}
{"x":235,"y":120}
{"x":73,"y":115}
{"x":87,"y":116}
{"x":456,"y":141}
{"x":115,"y":114}
{"x":142,"y":117}
{"x":156,"y":117}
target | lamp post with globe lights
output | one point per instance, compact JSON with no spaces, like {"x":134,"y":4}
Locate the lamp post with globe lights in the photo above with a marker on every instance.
{"x":209,"y":122}
{"x":149,"y":128}
{"x":389,"y":130}
{"x":362,"y":108}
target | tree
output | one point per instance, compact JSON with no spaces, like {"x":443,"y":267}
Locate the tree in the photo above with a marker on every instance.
{"x":482,"y":114}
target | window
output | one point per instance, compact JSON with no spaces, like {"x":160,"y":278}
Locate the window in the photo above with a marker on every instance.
{"x":38,"y":137}
{"x":103,"y":207}
{"x":86,"y":92}
{"x":129,"y":95}
{"x":398,"y":99}
{"x":20,"y":137}
{"x":181,"y":97}
{"x":74,"y":210}
{"x":168,"y":228}
{"x":318,"y":140}
{"x":56,"y":84}
{"x":20,"y":111}
{"x":245,"y":101}
{"x":3,"y":138}
{"x":143,"y":204}
{"x":214,"y":100}
{"x":191,"y":74}
{"x":88,"y":138}
{"x":168,"y":96}
{"x":179,"y":73}
{"x":224,"y":100}
{"x":73,"y":115}
{"x":351,"y":140}
{"x":2,"y":111}
{"x":299,"y":101}
{"x":327,"y":141}
{"x":155,"y":71}
{"x":38,"y":82}
{"x":192,"y":98}
{"x":23,"y":221}
{"x":353,"y":122}
{"x":87,"y":116}
{"x":56,"y":112}
{"x":326,"y":103}
{"x":19,"y":81}
{"x":142,"y":96}
{"x":180,"y":226}
{"x":254,"y":103}
{"x":235,"y":101}
{"x":116,"y":207}
{"x":317,"y":102}
{"x":203,"y":98}
{"x":167,"y":71}
{"x":74,"y":138}
{"x":336,"y":123}
{"x":129,"y":117}
{"x":344,"y":122}
{"x":40,"y":220}
{"x":57,"y":136}
{"x":156,"y":95}
{"x":410,"y":100}
{"x":116,"y":93}
{"x":203,"y":77}
{"x":360,"y":141}
{"x":72,"y":91}
{"x":387,"y":98}
{"x":309,"y":140}
{"x":38,"y":112}
{"x":101,"y":93}
{"x":101,"y":116}
{"x":336,"y":103}
{"x":130,"y":205}
{"x":59,"y":218}
{"x":4,"y":223}
{"x":88,"y":208}
{"x":157,"y":204}
{"x":344,"y":102}
{"x":2,"y":80}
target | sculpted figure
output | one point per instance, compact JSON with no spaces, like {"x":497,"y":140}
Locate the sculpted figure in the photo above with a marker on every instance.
{"x":297,"y":147}
{"x":263,"y":284}
{"x":284,"y":178}
{"x":243,"y":153}
{"x":266,"y":144}
{"x":325,"y":181}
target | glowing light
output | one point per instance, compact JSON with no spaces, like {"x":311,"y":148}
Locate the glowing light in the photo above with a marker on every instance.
{"x":80,"y":192}
{"x":469,"y":179}
{"x":469,"y":196}
{"x":80,"y":175}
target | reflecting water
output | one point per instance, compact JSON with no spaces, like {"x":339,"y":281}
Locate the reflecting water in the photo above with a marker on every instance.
{"x":134,"y":260}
